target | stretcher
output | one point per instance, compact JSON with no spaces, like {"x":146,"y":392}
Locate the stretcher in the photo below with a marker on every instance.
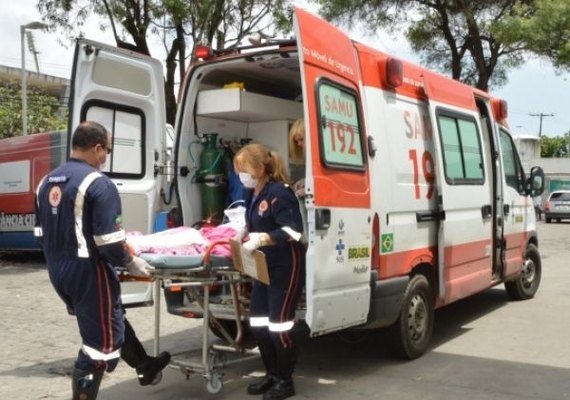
{"x":208,"y":287}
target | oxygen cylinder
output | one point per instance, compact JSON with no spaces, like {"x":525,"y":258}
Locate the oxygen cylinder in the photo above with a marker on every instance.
{"x":213,"y":180}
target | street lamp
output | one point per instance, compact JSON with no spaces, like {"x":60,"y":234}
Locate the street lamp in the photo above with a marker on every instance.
{"x":23,"y":29}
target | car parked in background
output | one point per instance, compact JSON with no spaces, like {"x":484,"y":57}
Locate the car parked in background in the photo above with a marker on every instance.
{"x":557,"y":206}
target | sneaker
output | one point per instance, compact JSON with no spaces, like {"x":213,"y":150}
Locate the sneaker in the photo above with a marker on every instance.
{"x":282,"y":389}
{"x":150,"y":373}
{"x":261,"y":385}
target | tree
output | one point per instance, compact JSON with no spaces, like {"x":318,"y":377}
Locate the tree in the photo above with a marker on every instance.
{"x":44,"y":111}
{"x":554,"y":146}
{"x":544,"y":27}
{"x":213,"y":22}
{"x":453,"y":36}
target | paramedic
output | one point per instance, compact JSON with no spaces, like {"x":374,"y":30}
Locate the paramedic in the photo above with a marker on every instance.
{"x":78,"y":210}
{"x":297,"y":156}
{"x":273,"y":220}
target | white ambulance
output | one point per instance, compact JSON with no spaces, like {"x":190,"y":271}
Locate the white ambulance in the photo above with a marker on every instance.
{"x":415,"y":194}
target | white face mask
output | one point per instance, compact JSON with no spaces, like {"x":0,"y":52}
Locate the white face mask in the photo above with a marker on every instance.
{"x":248,"y":180}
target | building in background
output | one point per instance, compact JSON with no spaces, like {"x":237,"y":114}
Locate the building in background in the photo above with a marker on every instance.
{"x":51,"y":85}
{"x":556,"y":169}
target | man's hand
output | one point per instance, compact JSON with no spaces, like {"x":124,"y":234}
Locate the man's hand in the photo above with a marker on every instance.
{"x":139,"y":267}
{"x":256,"y":240}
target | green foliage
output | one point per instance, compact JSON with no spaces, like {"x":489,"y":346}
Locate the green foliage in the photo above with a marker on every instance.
{"x":543,"y":26}
{"x":456,"y":37}
{"x":554,"y":146}
{"x":43,"y":111}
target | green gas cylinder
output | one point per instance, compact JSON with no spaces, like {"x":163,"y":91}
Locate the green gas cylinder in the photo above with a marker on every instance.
{"x":214,"y":181}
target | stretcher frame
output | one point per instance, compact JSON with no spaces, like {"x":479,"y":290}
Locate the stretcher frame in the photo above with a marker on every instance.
{"x":212,"y":363}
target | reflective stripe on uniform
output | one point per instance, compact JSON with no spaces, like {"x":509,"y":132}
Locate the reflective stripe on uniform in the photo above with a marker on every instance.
{"x":281,"y":326}
{"x":259,"y":321}
{"x":82,"y":250}
{"x":109,"y":238}
{"x":293,"y":233}
{"x":38,"y":232}
{"x":99,"y":356}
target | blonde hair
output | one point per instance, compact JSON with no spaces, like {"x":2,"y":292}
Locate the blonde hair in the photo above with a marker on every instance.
{"x":296,"y":152}
{"x":254,"y":155}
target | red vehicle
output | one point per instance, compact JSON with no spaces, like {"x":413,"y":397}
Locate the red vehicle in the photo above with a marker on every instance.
{"x":24,"y":160}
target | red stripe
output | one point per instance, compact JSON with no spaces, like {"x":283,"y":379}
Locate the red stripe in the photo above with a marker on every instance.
{"x":109,"y":314}
{"x":287,"y":304}
{"x":101,"y":306}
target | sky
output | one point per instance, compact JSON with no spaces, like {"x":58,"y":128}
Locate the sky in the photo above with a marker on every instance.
{"x":534,"y":88}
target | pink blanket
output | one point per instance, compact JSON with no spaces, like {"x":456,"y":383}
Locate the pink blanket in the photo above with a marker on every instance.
{"x":182,"y":241}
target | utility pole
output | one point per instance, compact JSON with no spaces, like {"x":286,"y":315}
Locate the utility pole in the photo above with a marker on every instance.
{"x":541,"y":116}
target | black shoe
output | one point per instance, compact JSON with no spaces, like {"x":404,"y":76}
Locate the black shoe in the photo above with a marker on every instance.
{"x":282,"y":389}
{"x":261,"y":385}
{"x":150,"y":372}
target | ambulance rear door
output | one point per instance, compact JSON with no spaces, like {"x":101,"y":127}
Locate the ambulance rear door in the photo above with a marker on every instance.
{"x":124,"y":91}
{"x":464,"y":184}
{"x":337,"y":178}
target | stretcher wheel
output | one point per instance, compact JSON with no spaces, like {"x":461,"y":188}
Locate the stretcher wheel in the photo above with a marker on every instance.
{"x":214,"y":383}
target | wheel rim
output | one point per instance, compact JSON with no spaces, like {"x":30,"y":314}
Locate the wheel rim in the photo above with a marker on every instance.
{"x":529,"y":274}
{"x":417,"y":318}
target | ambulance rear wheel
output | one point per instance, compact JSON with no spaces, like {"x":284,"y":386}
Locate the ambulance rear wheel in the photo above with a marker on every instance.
{"x":526,"y":285}
{"x":410,"y":335}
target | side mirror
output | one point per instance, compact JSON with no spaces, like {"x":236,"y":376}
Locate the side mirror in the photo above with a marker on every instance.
{"x":535,"y":183}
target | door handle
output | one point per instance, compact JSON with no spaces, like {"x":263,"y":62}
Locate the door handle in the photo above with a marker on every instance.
{"x":506,"y":209}
{"x":428,"y":216}
{"x":486,"y":211}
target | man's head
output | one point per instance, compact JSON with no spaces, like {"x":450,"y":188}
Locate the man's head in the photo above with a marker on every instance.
{"x":91,"y":142}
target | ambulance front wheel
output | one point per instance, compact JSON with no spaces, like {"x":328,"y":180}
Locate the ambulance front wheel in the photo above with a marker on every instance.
{"x":410,"y":335}
{"x":526,"y":285}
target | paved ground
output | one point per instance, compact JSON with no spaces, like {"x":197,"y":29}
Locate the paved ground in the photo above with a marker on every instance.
{"x":485,"y":347}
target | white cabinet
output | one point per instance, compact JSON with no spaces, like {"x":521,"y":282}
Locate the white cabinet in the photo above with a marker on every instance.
{"x":239,"y":105}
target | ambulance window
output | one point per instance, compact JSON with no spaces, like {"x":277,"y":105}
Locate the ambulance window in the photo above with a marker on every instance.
{"x":462,"y":153}
{"x":340,"y":133}
{"x":511,"y":167}
{"x":126,"y":126}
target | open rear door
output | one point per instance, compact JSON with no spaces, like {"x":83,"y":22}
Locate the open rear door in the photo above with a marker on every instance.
{"x":464,"y":185}
{"x":124,"y":91}
{"x":337,"y":183}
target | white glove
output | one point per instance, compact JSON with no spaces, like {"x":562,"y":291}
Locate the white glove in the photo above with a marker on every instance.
{"x":254,"y":242}
{"x":139,"y":267}
{"x":241,"y":234}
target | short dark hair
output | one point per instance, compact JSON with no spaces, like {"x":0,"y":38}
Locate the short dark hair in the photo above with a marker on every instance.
{"x":89,"y":134}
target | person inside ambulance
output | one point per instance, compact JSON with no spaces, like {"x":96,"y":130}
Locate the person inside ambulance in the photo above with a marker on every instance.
{"x":297,"y":156}
{"x":78,"y":214}
{"x":273,"y":226}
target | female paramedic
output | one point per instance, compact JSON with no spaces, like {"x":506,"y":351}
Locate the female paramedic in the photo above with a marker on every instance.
{"x":273,"y":220}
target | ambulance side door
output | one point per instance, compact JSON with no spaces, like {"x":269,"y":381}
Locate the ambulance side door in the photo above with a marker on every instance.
{"x":337,"y":178}
{"x":464,"y":196}
{"x":518,"y":209}
{"x":124,"y":91}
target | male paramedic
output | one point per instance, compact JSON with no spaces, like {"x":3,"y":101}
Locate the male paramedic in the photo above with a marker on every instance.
{"x":78,"y":214}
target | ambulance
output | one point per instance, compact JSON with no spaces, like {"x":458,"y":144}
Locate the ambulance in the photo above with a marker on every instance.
{"x":415,"y":196}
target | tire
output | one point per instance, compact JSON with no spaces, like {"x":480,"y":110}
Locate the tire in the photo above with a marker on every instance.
{"x":410,"y":335}
{"x":548,"y":220}
{"x":526,"y":285}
